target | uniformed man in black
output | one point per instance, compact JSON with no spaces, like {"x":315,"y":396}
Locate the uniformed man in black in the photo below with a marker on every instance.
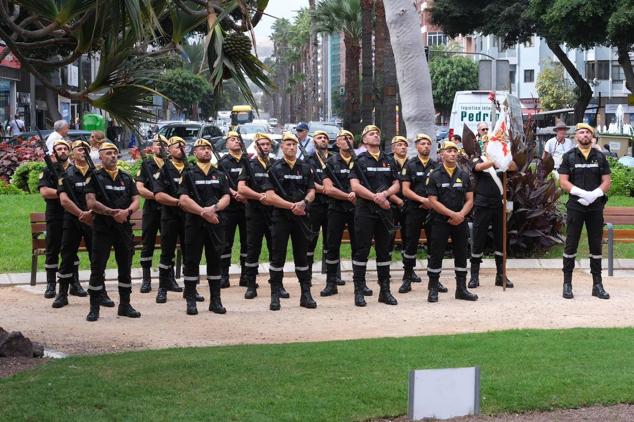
{"x":252,"y":185}
{"x":234,"y":216}
{"x":203,"y":194}
{"x":296,"y":190}
{"x":340,"y":210}
{"x":146,"y":180}
{"x":54,"y":214}
{"x":77,"y":223}
{"x":585,"y":173}
{"x":172,"y":217}
{"x":112,"y":208}
{"x":487,"y":211}
{"x":318,"y":210}
{"x":414,"y":179}
{"x":370,"y":200}
{"x":451,"y":197}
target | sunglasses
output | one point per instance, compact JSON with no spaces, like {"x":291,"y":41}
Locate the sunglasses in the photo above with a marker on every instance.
{"x":485,"y":129}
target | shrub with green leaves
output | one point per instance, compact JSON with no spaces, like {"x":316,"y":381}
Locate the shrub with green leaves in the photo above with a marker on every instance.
{"x":26,"y":176}
{"x":622,"y":178}
{"x":8,"y":189}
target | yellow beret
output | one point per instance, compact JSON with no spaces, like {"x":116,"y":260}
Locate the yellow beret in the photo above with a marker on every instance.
{"x":398,"y":138}
{"x":421,"y":136}
{"x":344,"y":132}
{"x":81,"y":144}
{"x":160,"y":138}
{"x":108,"y":145}
{"x":200,"y":142}
{"x":175,"y":140}
{"x":321,"y":132}
{"x":584,"y":126}
{"x":369,"y":128}
{"x":232,"y":134}
{"x":449,"y":145}
{"x":260,"y":135}
{"x":61,"y":142}
{"x":287,"y":136}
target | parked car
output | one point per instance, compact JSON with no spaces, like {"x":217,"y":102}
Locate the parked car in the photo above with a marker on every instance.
{"x":330,"y":128}
{"x":290,"y":127}
{"x":73,"y":135}
{"x":273,"y":122}
{"x":190,"y":131}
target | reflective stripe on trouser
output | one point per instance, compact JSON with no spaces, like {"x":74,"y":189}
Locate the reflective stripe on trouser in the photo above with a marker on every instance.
{"x":593,"y":220}
{"x":337,"y":222}
{"x":119,"y":239}
{"x":284,"y":229}
{"x":440,"y":236}
{"x":368,"y":226}
{"x":414,"y":222}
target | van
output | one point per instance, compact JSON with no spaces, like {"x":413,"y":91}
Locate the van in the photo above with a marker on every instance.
{"x":241,"y":114}
{"x":474,"y":107}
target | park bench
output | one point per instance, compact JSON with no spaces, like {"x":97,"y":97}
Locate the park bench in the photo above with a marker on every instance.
{"x":617,"y":216}
{"x":38,"y":241}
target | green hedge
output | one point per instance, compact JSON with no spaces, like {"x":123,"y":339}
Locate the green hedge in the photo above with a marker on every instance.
{"x":622,"y":178}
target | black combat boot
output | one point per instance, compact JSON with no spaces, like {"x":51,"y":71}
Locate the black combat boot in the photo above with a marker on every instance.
{"x":61,"y":299}
{"x":340,"y":282}
{"x":49,"y":293}
{"x":164,"y":283}
{"x":407,"y":281}
{"x":474,"y":281}
{"x":461,"y":289}
{"x":359,"y":297}
{"x":365,"y":289}
{"x":432,"y":287}
{"x":331,"y":286}
{"x":306,"y":300}
{"x":385,"y":296}
{"x":146,"y":284}
{"x":275,"y":296}
{"x":190,"y":297}
{"x":441,"y":288}
{"x":224,"y":278}
{"x":567,"y":293}
{"x":105,"y":299}
{"x":252,"y":291}
{"x":75,"y":285}
{"x":597,"y":288}
{"x":197,"y":296}
{"x":499,"y":281}
{"x":215,"y":304}
{"x":172,"y":285}
{"x":414,"y":278}
{"x":125,"y":309}
{"x":283,"y":293}
{"x":243,"y":274}
{"x":95,"y":299}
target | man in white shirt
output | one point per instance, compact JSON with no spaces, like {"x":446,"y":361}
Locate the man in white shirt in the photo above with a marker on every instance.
{"x":558,"y":145}
{"x":60,"y":132}
{"x":305,"y":140}
{"x":16,"y":125}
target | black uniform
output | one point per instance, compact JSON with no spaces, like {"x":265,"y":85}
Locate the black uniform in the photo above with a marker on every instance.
{"x":296,"y":181}
{"x":172,"y":229}
{"x":399,"y":213}
{"x":73,"y":233}
{"x":54,"y":230}
{"x":318,"y":212}
{"x":107,"y":234}
{"x":234,"y":216}
{"x":381,"y":174}
{"x":416,"y":173}
{"x":199,"y":233}
{"x":151,"y":216}
{"x":340,"y":215}
{"x":585,"y":174}
{"x":451,"y":191}
{"x":258,"y":218}
{"x":487,"y":210}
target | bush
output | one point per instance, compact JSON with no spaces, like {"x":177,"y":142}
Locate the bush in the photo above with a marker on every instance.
{"x":7,"y":189}
{"x":27,"y":176}
{"x":11,"y":156}
{"x":622,"y":178}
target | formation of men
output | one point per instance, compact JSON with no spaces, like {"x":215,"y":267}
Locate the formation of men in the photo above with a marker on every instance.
{"x":370,"y":196}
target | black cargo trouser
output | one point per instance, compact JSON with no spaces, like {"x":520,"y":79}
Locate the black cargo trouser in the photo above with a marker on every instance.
{"x":196,"y":238}
{"x":74,"y":232}
{"x":54,"y":232}
{"x":439,"y":238}
{"x":234,"y":219}
{"x":318,"y":217}
{"x":575,"y":219}
{"x":368,"y":226}
{"x":172,"y":233}
{"x":150,"y":227}
{"x":120,"y":238}
{"x":284,"y":227}
{"x":415,"y":221}
{"x":482,"y":218}
{"x":338,"y":220}
{"x":258,"y":227}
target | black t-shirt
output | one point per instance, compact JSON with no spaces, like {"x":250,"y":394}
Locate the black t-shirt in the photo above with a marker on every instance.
{"x":295,"y":181}
{"x":120,"y":192}
{"x":169,"y":182}
{"x":54,"y":209}
{"x":399,"y":171}
{"x":149,"y":181}
{"x":77,"y":183}
{"x":417,"y":173}
{"x":451,"y":191}
{"x":341,"y":170}
{"x":380,"y":173}
{"x":585,"y":174}
{"x":258,"y":183}
{"x":487,"y":193}
{"x":315,"y":164}
{"x":209,"y":188}
{"x":232,"y":168}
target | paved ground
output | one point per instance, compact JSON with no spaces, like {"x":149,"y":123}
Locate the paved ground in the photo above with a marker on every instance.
{"x":535,"y":303}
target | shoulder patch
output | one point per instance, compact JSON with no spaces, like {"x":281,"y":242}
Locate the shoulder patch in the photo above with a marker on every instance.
{"x":138,"y":173}
{"x":88,"y":180}
{"x":41,"y":175}
{"x":60,"y":181}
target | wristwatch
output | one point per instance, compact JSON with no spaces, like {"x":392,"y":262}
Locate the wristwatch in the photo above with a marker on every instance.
{"x":306,"y":202}
{"x":129,"y":212}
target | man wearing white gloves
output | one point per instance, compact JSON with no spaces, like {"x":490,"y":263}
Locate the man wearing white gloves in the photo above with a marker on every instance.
{"x":585,"y":173}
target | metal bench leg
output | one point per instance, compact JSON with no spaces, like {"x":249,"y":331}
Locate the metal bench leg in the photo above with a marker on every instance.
{"x":33,"y":269}
{"x":178,"y":263}
{"x":610,"y":249}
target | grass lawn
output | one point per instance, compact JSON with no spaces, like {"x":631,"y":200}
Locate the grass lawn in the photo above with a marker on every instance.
{"x":16,"y":242}
{"x":521,"y":370}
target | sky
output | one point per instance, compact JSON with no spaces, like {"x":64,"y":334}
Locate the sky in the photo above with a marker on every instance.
{"x":280,"y":9}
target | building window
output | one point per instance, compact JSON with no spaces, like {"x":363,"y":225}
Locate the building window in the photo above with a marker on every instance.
{"x":5,"y":93}
{"x":512,"y":73}
{"x":617,"y":73}
{"x":589,"y":71}
{"x":529,"y":75}
{"x":529,"y":43}
{"x":437,"y":38}
{"x":603,"y":70}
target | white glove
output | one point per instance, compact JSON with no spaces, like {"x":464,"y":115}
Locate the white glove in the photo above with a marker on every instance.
{"x":578,"y":191}
{"x":583,"y":194}
{"x":597,"y":193}
{"x":583,"y":202}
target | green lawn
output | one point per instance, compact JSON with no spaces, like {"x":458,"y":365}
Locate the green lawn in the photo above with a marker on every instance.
{"x":329,"y":381}
{"x":16,"y":242}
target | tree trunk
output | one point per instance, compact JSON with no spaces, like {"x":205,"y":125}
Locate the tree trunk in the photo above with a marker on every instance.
{"x":585,"y":92}
{"x":367,"y":105}
{"x":52,"y":105}
{"x":412,"y":70}
{"x":390,"y":85}
{"x":624,"y":60}
{"x":351,"y":110}
{"x":314,"y":71}
{"x":381,"y":37}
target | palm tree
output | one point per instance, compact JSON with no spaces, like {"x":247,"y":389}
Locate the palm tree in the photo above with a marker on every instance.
{"x":345,"y":16}
{"x":386,"y":113}
{"x":367,"y":66}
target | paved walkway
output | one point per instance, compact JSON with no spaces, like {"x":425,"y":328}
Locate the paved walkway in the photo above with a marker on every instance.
{"x":622,"y":267}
